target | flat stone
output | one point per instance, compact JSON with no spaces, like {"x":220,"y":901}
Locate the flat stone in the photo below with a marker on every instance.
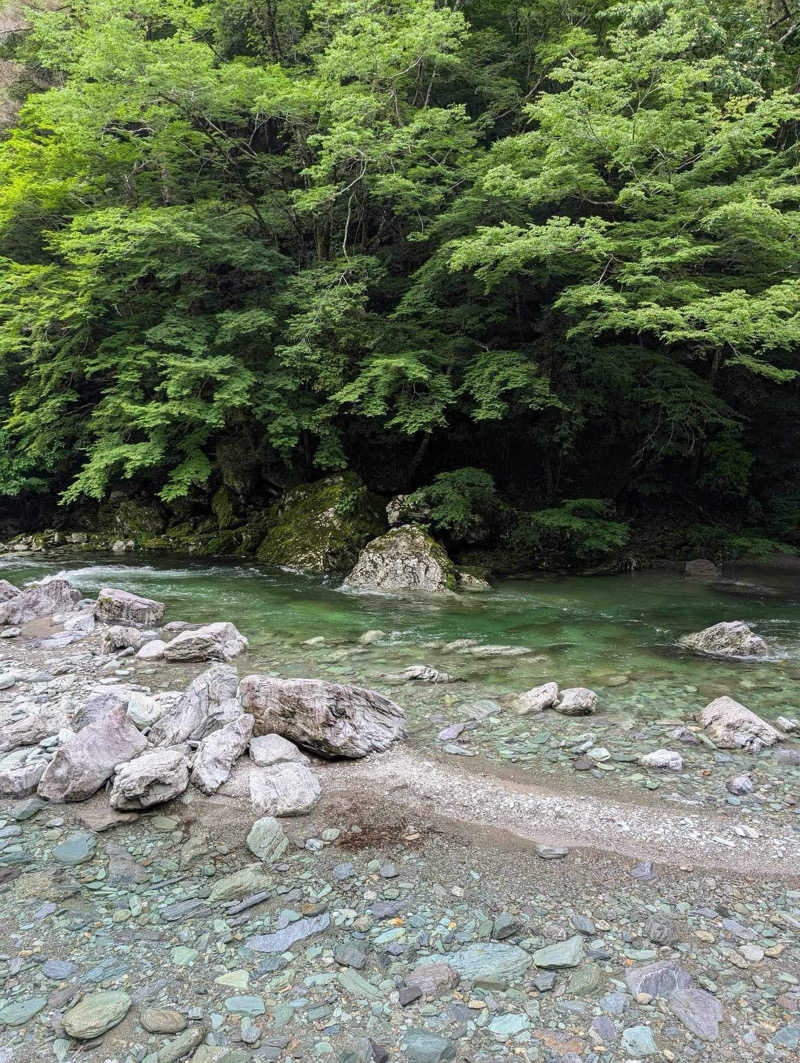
{"x":421,"y":1046}
{"x":77,"y":849}
{"x":282,"y":940}
{"x":567,"y":953}
{"x":242,"y":883}
{"x":95,"y":1014}
{"x":637,"y":1042}
{"x":162,"y":1020}
{"x":490,"y":961}
{"x":20,"y":1011}
{"x":245,"y":1005}
{"x":266,"y":750}
{"x":59,"y":970}
{"x":698,"y":1010}
{"x":266,"y":839}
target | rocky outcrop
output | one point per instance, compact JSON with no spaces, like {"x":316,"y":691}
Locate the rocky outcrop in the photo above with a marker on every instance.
{"x":576,"y":701}
{"x":150,"y":779}
{"x":214,"y":642}
{"x":404,"y":559}
{"x":85,"y":761}
{"x":218,"y":752}
{"x":208,"y":703}
{"x":115,"y":606}
{"x":536,"y":700}
{"x":328,"y":718}
{"x":40,"y":599}
{"x":321,"y":527}
{"x":732,"y":726}
{"x":284,"y":790}
{"x":728,"y":639}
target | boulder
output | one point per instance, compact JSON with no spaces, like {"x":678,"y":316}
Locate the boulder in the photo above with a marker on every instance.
{"x":662,"y":760}
{"x":96,"y":1014}
{"x":404,"y":559}
{"x":27,"y":731}
{"x":419,"y":673}
{"x":143,"y":710}
{"x":208,"y":703}
{"x":119,"y":637}
{"x":321,"y":527}
{"x":284,"y":790}
{"x":700,"y":568}
{"x":85,"y":761}
{"x":214,"y":642}
{"x":328,"y":718}
{"x":8,"y":590}
{"x":151,"y":651}
{"x":732,"y":726}
{"x":728,"y":639}
{"x":49,"y":596}
{"x":266,"y":750}
{"x":218,"y":752}
{"x":536,"y":700}
{"x":118,"y":606}
{"x":150,"y":779}
{"x":576,"y":701}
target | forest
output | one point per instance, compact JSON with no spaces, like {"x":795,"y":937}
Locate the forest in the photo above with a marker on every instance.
{"x":535,"y":264}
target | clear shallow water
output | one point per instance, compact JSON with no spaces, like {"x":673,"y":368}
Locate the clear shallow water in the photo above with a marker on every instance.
{"x":590,"y":630}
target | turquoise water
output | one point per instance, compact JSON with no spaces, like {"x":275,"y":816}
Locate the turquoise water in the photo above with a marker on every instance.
{"x":614,"y":633}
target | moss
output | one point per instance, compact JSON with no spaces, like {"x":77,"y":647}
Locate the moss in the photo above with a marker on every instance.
{"x":321,"y":527}
{"x":223,"y":509}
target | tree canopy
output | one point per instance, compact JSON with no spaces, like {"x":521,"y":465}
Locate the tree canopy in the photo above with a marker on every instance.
{"x":554,"y":245}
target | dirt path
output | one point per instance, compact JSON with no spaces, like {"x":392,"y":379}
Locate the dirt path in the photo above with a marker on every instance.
{"x":663,"y":834}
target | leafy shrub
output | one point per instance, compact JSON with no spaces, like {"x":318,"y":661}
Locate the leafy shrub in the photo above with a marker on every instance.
{"x":462,"y":502}
{"x":579,"y":530}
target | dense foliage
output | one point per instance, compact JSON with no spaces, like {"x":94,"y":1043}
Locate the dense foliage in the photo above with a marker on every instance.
{"x":552,"y":250}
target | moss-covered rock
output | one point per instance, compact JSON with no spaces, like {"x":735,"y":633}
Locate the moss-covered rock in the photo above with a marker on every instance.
{"x":321,"y":527}
{"x":404,"y":559}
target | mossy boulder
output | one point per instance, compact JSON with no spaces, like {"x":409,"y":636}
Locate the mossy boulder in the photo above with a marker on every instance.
{"x":404,"y":559}
{"x":321,"y":527}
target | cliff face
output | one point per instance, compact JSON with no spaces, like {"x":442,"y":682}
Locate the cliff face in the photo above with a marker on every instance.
{"x":11,"y":21}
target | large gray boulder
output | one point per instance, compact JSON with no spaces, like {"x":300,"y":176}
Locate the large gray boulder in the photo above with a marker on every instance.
{"x":85,"y":761}
{"x":120,"y":637}
{"x":729,"y":639}
{"x":284,"y":790}
{"x":404,"y":559}
{"x":151,"y":779}
{"x":208,"y":703}
{"x":732,"y":726}
{"x":115,"y":606}
{"x":328,"y":718}
{"x":218,"y":752}
{"x":49,"y":596}
{"x":214,"y":642}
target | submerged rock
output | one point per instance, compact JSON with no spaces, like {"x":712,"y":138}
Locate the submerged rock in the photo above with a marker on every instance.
{"x":214,"y":642}
{"x":404,"y":559}
{"x":321,"y":527}
{"x":48,"y":596}
{"x":115,"y":606}
{"x":149,"y":780}
{"x":334,"y":720}
{"x":420,"y":673}
{"x":84,"y":762}
{"x":218,"y":752}
{"x":728,"y":639}
{"x":662,"y":760}
{"x":732,"y":726}
{"x":284,"y":790}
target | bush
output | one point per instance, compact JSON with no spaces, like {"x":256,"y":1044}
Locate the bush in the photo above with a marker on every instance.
{"x":462,"y":503}
{"x":578,"y":531}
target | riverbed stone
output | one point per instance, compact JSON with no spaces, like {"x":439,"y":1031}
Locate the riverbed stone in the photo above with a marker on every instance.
{"x":576,"y":701}
{"x":118,"y":606}
{"x":662,"y":760}
{"x":730,"y":725}
{"x":18,"y":1012}
{"x":43,"y":598}
{"x":422,"y":1046}
{"x":269,"y":749}
{"x":213,"y":642}
{"x":638,"y":1042}
{"x":661,"y":979}
{"x":492,"y":962}
{"x":162,"y":1020}
{"x":698,"y":1010}
{"x":96,"y":1014}
{"x":29,"y":730}
{"x":287,"y":789}
{"x":536,"y":700}
{"x":266,"y":839}
{"x":151,"y":779}
{"x":560,"y":954}
{"x":282,"y":940}
{"x":218,"y":752}
{"x":209,"y":702}
{"x":77,"y":849}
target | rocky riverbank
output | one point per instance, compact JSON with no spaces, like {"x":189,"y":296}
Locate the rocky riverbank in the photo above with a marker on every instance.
{"x":427,"y":906}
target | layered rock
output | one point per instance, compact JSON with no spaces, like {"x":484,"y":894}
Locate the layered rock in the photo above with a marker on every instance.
{"x":536,"y":700}
{"x":404,"y":559}
{"x":45,"y":598}
{"x":728,"y":639}
{"x":266,"y":750}
{"x":119,"y":637}
{"x":328,"y":718}
{"x":287,"y":789}
{"x":85,"y":761}
{"x":218,"y":752}
{"x":214,"y":642}
{"x":208,"y":703}
{"x":27,"y":731}
{"x":576,"y":701}
{"x":20,"y":773}
{"x":321,"y":527}
{"x":116,"y":606}
{"x":151,"y":779}
{"x":731,"y":725}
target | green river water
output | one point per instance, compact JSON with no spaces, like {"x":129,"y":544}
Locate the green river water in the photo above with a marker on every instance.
{"x":616,"y":634}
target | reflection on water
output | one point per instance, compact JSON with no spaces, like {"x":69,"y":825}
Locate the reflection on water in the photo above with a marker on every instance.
{"x":616,"y":633}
